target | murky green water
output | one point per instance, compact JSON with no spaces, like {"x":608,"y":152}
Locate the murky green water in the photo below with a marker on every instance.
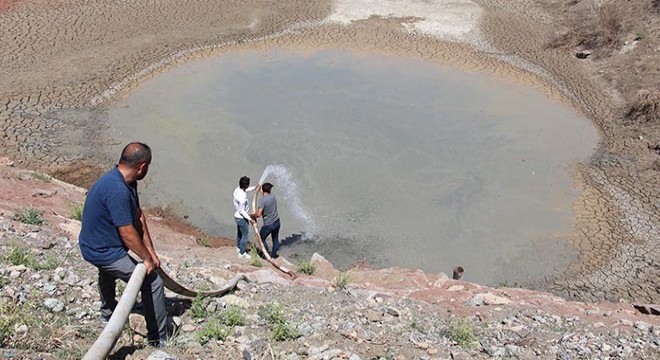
{"x":399,"y":161}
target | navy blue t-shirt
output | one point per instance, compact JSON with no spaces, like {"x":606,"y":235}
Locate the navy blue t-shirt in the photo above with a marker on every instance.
{"x":110,"y":203}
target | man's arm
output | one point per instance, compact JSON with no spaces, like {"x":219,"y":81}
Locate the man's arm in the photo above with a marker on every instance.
{"x":146,"y":237}
{"x":133,"y":241}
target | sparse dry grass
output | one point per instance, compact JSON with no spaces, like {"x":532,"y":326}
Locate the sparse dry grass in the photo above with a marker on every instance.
{"x":598,"y":27}
{"x":646,"y":109}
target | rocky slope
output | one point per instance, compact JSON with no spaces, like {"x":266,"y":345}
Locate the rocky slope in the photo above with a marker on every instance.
{"x":49,"y":307}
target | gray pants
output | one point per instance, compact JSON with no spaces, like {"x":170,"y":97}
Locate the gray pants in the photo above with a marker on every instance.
{"x":152,"y":292}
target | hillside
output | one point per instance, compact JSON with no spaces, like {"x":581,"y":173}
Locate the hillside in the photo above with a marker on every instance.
{"x":50,"y":307}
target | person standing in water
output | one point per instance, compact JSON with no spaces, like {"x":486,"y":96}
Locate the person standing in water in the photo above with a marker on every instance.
{"x":241,"y":216}
{"x":268,"y":209}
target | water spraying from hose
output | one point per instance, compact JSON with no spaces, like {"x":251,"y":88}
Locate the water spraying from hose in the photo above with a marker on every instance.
{"x":287,"y":188}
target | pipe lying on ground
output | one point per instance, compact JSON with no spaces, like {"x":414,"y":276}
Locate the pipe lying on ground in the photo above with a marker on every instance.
{"x":106,"y":341}
{"x":181,"y":290}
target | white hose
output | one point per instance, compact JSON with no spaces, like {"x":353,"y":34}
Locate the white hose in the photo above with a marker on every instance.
{"x":106,"y":341}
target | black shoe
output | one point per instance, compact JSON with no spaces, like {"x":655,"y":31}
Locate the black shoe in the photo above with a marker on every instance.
{"x":105,"y":319}
{"x":274,"y":256}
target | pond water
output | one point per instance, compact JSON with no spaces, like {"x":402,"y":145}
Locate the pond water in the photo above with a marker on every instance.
{"x":394,"y":160}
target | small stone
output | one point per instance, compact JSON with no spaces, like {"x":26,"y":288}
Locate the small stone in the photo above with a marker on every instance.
{"x":490,"y":299}
{"x":161,"y":355}
{"x":188,"y":328}
{"x":605,"y":348}
{"x":44,"y":193}
{"x":176,"y":321}
{"x":373,"y":316}
{"x":236,"y":301}
{"x":641,"y":325}
{"x":625,"y":322}
{"x":456,"y":288}
{"x":476,"y":301}
{"x":54,"y":305}
{"x":17,"y":268}
{"x":242,"y":285}
{"x":21,"y":329}
{"x":393,"y":311}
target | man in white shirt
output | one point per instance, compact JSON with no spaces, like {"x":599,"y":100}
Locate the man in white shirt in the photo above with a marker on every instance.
{"x":241,"y":216}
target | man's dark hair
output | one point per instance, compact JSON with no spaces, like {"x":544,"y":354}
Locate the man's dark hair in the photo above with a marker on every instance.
{"x":266,"y":187}
{"x":135,"y":154}
{"x":244,"y":182}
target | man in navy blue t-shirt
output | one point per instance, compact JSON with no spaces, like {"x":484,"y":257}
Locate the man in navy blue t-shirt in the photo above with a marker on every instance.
{"x":112,"y":224}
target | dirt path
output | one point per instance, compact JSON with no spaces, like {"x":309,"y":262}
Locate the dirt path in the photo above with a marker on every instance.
{"x":63,"y":62}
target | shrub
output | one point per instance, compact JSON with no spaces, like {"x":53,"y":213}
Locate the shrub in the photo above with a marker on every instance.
{"x":596,"y":27}
{"x":13,"y":314}
{"x":255,"y":259}
{"x":272,"y":313}
{"x":306,"y":267}
{"x":198,"y":307}
{"x":281,"y":328}
{"x":342,"y":280}
{"x":646,"y":108}
{"x":24,"y":256}
{"x":29,"y":216}
{"x":461,"y":331}
{"x":75,"y":211}
{"x":284,"y":331}
{"x":70,"y":353}
{"x":19,"y":256}
{"x":6,"y":329}
{"x":41,"y":177}
{"x":233,"y":316}
{"x":213,"y":331}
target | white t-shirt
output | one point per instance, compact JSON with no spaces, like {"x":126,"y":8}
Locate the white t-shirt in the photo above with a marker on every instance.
{"x":241,"y":203}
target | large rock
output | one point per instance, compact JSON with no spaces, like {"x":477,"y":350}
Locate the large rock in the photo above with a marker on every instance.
{"x":323,"y":267}
{"x":267,"y":276}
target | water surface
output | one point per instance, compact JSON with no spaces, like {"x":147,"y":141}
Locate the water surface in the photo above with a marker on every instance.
{"x":397,"y":161}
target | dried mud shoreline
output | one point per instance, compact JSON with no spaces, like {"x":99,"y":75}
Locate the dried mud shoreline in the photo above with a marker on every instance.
{"x":63,"y":63}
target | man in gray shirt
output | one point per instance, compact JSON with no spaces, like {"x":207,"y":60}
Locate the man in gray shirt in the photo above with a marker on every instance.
{"x":267,"y":208}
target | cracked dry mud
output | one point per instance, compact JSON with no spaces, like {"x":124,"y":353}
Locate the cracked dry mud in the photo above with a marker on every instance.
{"x":63,"y":62}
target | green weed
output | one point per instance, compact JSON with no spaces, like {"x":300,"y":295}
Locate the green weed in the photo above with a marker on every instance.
{"x":198,"y":307}
{"x":213,"y":331}
{"x":203,"y":241}
{"x":70,"y":353}
{"x":342,"y":281}
{"x":414,"y":323}
{"x":306,"y":267}
{"x":255,"y":259}
{"x":272,"y":313}
{"x":75,"y":211}
{"x":42,"y":177}
{"x":12,"y":315}
{"x":233,"y":316}
{"x":285,"y":331}
{"x":461,"y":331}
{"x":25,"y":257}
{"x":29,"y":216}
{"x":281,"y":328}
